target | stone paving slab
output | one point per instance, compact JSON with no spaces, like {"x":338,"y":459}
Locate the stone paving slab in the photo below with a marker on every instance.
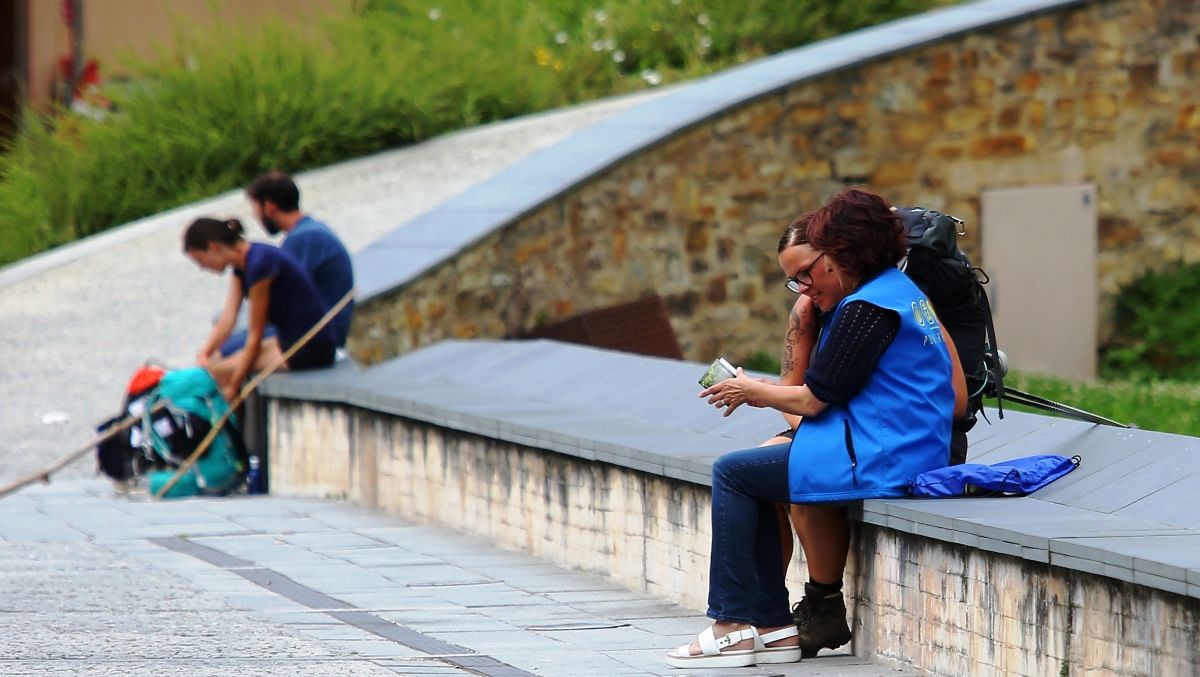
{"x":295,"y":587}
{"x":208,"y":667}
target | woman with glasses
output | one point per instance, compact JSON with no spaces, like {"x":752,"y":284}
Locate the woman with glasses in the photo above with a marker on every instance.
{"x":877,"y":402}
{"x":798,"y":343}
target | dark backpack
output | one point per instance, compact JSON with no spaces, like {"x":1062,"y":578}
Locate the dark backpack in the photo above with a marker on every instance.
{"x":118,"y":456}
{"x":955,"y":288}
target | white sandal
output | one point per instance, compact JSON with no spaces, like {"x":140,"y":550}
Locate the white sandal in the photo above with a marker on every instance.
{"x":711,"y":654}
{"x":776,"y":654}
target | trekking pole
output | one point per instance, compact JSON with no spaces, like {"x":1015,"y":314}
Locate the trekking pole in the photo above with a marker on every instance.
{"x":1036,"y":402}
{"x":249,"y":388}
{"x":44,"y":474}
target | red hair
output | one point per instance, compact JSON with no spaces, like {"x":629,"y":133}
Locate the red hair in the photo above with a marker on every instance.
{"x":859,"y":230}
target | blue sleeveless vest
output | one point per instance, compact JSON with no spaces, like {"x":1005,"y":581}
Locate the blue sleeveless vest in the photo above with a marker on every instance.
{"x":897,"y":426}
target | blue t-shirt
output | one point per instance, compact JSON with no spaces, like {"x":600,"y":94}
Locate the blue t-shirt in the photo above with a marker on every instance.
{"x":325,"y":259}
{"x":294,"y":305}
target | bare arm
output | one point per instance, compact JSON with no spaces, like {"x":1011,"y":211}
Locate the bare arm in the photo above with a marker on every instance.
{"x":259,"y":300}
{"x":800,"y":400}
{"x":798,"y":344}
{"x":734,"y":392}
{"x":957,"y":378}
{"x":224,"y":326}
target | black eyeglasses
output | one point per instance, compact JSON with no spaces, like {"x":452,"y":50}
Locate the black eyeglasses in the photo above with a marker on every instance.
{"x":803,"y":277}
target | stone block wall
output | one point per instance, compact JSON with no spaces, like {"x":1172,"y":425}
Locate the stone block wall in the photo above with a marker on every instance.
{"x":647,"y":533}
{"x":949,"y":609}
{"x":1105,"y":93}
{"x":922,"y":604}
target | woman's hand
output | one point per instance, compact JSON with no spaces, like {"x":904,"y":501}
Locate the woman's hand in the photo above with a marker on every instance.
{"x":202,"y":360}
{"x":734,"y":392}
{"x":231,"y":391}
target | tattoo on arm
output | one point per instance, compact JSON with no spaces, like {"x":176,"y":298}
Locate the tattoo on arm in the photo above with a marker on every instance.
{"x":794,"y":332}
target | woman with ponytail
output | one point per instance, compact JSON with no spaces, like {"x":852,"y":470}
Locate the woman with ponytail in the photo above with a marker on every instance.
{"x":280,"y":293}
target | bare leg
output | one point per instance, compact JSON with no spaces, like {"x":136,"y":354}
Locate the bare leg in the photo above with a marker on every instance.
{"x":824,"y":534}
{"x":223,"y":368}
{"x":820,"y":616}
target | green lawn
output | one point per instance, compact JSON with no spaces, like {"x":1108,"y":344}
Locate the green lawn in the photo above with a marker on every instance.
{"x":1152,"y":405}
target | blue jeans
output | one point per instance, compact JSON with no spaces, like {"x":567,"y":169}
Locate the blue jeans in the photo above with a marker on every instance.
{"x":237,"y":340}
{"x":745,"y":580}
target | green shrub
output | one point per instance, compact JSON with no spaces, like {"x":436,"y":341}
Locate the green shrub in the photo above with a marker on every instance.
{"x":1156,"y":327}
{"x":225,"y":104}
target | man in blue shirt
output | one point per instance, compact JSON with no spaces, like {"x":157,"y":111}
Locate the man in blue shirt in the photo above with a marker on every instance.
{"x":276,"y":202}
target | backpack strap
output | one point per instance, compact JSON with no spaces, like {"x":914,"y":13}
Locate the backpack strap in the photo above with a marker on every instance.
{"x":156,"y":441}
{"x":995,"y":370}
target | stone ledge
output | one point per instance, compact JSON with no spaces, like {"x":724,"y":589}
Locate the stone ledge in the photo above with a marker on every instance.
{"x":966,"y":605}
{"x":642,"y":413}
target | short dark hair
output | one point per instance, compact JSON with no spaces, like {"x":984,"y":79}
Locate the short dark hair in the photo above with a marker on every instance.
{"x":859,"y":230}
{"x":277,"y":188}
{"x":205,"y":230}
{"x":796,"y":232}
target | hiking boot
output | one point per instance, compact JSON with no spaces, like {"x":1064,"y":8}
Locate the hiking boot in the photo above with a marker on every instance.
{"x":821,"y":621}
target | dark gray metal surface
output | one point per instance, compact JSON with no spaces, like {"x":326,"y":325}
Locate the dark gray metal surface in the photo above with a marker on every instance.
{"x":1126,"y":512}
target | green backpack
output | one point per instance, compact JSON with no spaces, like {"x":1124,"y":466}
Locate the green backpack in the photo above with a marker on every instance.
{"x":194,"y":404}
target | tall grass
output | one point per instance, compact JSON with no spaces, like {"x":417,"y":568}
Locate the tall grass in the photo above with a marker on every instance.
{"x":220,"y":106}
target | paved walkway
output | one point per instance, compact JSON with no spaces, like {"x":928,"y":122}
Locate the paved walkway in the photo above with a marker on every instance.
{"x":76,"y":322}
{"x":94,"y":584}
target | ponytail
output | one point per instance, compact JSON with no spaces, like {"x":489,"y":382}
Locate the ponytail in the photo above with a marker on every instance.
{"x":206,"y":230}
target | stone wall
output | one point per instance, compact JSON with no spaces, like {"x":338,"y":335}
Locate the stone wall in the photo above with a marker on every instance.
{"x":1106,"y":93}
{"x":948,"y":609}
{"x":920,"y":603}
{"x":645,"y":532}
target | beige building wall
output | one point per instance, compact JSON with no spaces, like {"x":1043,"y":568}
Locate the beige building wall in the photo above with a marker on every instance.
{"x":112,"y":28}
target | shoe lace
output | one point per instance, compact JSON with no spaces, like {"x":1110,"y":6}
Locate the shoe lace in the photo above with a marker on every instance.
{"x":802,"y":611}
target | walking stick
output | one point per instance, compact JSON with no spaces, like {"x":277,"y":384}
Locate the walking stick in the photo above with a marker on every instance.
{"x":44,"y":474}
{"x":249,"y":388}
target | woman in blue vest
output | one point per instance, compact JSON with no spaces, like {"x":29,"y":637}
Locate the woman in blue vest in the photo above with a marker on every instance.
{"x":280,"y":293}
{"x":877,"y":404}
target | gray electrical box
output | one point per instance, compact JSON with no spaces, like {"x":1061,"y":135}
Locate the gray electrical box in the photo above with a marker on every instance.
{"x":1039,"y":248}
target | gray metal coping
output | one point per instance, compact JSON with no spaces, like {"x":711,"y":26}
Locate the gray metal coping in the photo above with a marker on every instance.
{"x":436,"y":236}
{"x":1127,"y":512}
